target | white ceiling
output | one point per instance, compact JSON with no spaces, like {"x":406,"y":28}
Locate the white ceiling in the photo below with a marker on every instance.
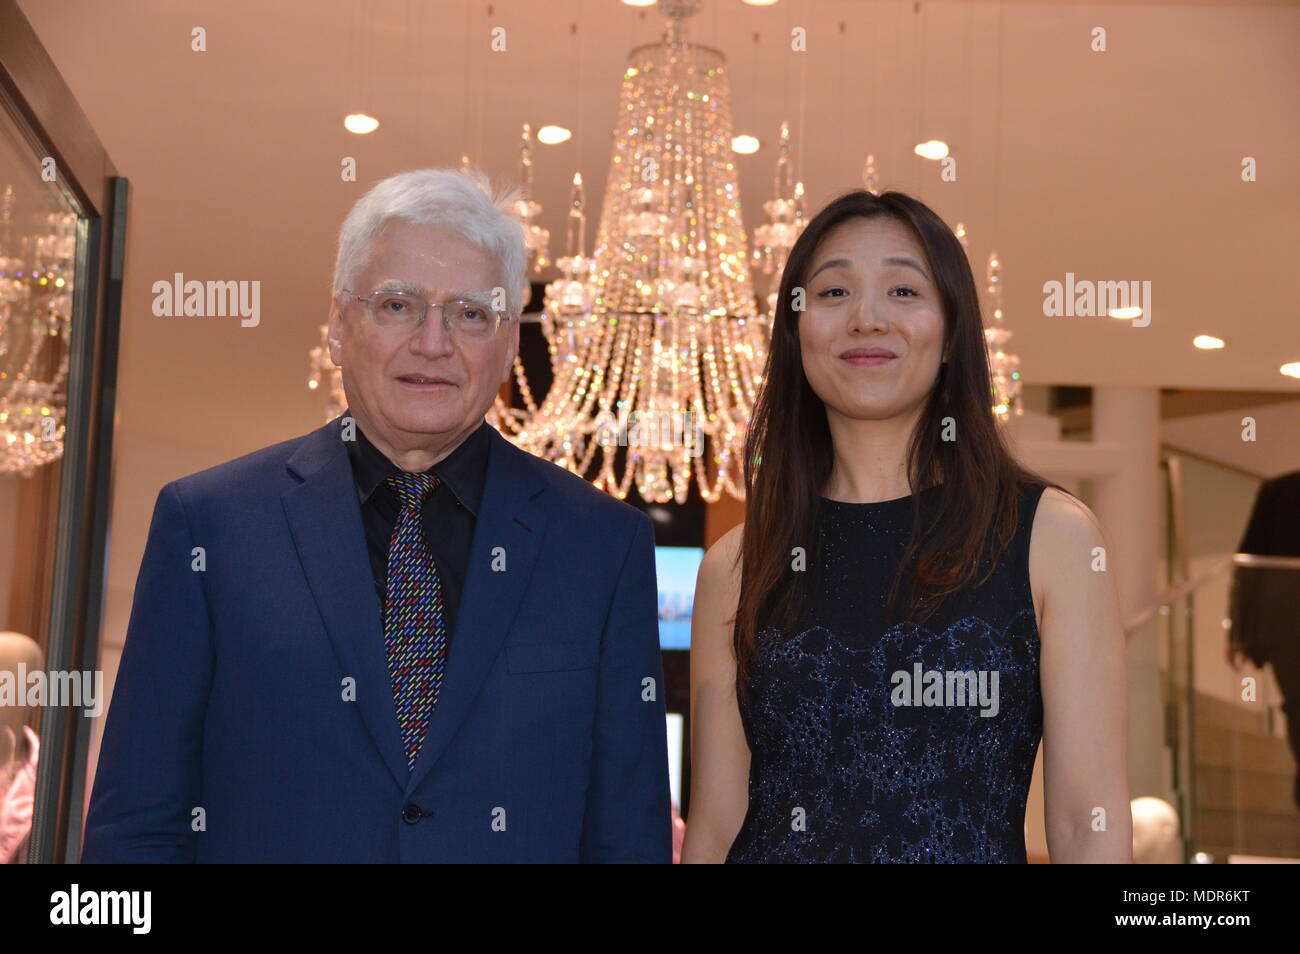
{"x":1116,"y":165}
{"x":1272,"y":452}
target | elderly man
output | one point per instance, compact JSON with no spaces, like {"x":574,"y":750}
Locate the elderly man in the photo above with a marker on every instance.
{"x":398,"y":638}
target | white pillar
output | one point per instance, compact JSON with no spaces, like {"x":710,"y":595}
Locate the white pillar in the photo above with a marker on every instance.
{"x":1128,"y":504}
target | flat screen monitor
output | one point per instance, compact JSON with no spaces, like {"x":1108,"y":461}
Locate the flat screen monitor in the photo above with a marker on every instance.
{"x":676,"y":568}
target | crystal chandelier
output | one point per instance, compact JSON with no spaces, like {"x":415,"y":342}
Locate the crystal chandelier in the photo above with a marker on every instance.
{"x":35,"y":322}
{"x":656,"y":344}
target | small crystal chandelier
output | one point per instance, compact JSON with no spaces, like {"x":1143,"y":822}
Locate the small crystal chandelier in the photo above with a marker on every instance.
{"x":326,"y":376}
{"x":536,"y":238}
{"x":35,"y":326}
{"x":785,"y":220}
{"x":1004,"y":366}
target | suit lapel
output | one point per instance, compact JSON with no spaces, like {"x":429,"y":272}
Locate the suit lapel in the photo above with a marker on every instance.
{"x":324,"y":518}
{"x":511,"y":519}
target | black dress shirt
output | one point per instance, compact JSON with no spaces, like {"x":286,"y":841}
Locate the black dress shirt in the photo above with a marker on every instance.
{"x":448,"y":517}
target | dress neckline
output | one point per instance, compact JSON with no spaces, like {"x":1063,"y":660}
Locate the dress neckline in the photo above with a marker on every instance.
{"x":897,"y":503}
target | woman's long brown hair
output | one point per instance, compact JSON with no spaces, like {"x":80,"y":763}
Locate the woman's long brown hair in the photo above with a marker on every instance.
{"x":789,"y":454}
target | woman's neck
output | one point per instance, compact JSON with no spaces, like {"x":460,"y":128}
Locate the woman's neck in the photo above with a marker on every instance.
{"x":870,"y":457}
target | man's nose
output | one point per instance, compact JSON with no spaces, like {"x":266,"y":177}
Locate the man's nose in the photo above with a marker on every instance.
{"x":432,"y":336}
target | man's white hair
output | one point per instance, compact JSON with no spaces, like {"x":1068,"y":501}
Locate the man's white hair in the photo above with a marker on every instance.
{"x":462,"y":202}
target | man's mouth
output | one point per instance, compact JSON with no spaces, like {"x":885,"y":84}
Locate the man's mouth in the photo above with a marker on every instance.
{"x":424,"y":381}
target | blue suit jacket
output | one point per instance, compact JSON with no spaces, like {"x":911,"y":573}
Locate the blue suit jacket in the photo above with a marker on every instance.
{"x":253,"y":721}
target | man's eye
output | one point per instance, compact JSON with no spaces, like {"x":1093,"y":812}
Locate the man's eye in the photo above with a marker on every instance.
{"x":395,"y":305}
{"x":475,"y":314}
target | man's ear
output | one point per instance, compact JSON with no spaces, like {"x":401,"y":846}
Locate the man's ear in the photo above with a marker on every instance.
{"x":512,"y":351}
{"x":334,"y":336}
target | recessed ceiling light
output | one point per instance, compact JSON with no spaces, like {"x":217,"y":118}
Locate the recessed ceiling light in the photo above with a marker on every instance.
{"x":1126,"y":314}
{"x":1291,"y":369}
{"x":360,"y":123}
{"x":1207,"y":342}
{"x":931,"y":149}
{"x":553,"y":134}
{"x":744,"y":144}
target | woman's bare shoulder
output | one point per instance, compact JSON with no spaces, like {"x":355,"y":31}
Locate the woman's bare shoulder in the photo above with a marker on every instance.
{"x":721,"y":561}
{"x":1063,"y":520}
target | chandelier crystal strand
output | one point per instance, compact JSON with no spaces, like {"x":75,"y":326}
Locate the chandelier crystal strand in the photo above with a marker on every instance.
{"x":655,"y":342}
{"x":36,"y":324}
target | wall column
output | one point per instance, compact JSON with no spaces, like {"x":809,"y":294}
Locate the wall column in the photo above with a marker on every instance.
{"x":1128,"y":502}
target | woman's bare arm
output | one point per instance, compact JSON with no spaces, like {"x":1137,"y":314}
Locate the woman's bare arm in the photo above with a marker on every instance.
{"x":719,"y":752}
{"x":1084,"y":686}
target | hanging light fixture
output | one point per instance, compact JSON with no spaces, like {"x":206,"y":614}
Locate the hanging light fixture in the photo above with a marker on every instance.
{"x":1004,"y":365}
{"x":656,"y":343}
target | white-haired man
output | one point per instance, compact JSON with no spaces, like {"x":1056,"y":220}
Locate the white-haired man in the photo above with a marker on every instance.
{"x":408,"y":640}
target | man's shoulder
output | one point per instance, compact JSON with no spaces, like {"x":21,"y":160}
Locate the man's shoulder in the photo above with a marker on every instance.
{"x":246,"y":473}
{"x":574,"y":495}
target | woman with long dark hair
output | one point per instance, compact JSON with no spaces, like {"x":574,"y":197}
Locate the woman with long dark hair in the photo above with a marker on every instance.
{"x":906,"y":611}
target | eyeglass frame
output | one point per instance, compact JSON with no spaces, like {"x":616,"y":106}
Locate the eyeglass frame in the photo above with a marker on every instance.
{"x":502,"y":317}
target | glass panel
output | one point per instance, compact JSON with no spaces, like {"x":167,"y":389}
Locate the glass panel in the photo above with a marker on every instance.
{"x":38,"y":246}
{"x":1245,"y":768}
{"x":1232,"y":774}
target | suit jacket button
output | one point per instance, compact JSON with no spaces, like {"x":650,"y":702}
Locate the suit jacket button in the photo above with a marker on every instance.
{"x":411,"y":814}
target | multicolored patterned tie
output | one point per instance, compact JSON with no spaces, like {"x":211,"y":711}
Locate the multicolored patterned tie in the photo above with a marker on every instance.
{"x":415,"y":633}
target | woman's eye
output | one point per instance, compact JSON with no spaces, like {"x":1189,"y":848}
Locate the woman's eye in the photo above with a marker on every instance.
{"x":906,"y":288}
{"x":832,"y":293}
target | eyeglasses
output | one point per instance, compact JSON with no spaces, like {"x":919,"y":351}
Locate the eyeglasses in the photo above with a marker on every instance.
{"x":401,"y":313}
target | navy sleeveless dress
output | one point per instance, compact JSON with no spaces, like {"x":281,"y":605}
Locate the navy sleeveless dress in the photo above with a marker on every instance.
{"x":909,"y":744}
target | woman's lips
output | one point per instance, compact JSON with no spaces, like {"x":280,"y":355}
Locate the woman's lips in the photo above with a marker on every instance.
{"x":868,"y":357}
